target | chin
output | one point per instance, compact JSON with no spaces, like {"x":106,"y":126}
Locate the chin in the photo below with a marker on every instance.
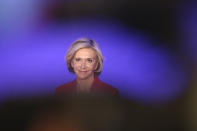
{"x":84,"y":77}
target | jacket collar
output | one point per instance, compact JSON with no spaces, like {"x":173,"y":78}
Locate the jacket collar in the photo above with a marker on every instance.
{"x":95,"y":83}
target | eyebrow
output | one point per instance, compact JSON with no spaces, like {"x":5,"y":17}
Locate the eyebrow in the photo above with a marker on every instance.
{"x":85,"y":58}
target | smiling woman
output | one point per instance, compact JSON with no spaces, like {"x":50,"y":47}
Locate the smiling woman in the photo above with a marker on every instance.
{"x":85,"y":60}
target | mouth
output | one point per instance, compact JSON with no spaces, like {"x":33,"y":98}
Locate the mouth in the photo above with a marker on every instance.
{"x":83,"y":71}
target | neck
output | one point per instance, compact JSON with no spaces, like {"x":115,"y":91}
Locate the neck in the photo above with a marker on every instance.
{"x":85,"y":84}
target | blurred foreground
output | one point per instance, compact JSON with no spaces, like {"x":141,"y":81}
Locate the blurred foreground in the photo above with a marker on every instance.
{"x":87,"y":113}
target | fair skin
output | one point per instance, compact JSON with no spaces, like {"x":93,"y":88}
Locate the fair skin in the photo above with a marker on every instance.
{"x":84,"y":63}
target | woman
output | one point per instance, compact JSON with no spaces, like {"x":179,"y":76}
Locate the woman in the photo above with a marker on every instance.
{"x":85,"y":60}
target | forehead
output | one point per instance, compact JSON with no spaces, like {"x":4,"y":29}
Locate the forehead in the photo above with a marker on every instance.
{"x":85,"y":53}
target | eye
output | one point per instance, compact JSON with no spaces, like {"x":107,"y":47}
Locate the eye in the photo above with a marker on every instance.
{"x":89,"y":60}
{"x":77,"y":59}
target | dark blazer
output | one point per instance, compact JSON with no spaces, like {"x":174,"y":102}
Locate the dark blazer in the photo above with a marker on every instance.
{"x":98,"y":87}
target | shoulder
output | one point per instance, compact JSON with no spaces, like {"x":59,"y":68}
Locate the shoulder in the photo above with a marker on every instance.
{"x":64,"y":88}
{"x":66,"y":85}
{"x":107,"y":87}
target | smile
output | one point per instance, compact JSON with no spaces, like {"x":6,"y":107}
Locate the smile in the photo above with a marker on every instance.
{"x":83,"y":71}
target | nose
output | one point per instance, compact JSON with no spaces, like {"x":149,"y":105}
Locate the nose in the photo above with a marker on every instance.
{"x":83,"y":65}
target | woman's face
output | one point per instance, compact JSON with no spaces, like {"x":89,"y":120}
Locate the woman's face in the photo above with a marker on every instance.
{"x":84,"y":63}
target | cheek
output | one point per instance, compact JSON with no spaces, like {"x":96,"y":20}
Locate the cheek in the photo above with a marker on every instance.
{"x":74,"y":65}
{"x":93,"y":67}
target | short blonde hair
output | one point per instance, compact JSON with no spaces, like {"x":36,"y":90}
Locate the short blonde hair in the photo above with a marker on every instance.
{"x":84,"y":43}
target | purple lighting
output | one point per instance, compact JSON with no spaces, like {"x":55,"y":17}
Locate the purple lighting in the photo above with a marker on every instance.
{"x":138,"y":70}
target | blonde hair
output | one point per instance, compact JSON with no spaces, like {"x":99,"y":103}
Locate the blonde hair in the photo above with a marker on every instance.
{"x":84,"y":43}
